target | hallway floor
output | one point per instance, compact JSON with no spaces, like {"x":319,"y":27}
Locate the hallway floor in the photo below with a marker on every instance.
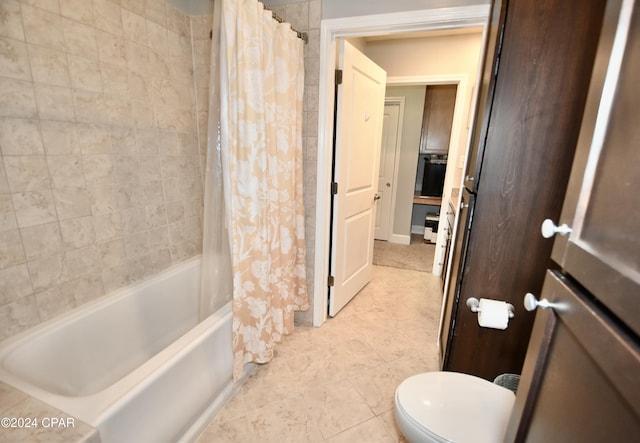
{"x":336,"y":383}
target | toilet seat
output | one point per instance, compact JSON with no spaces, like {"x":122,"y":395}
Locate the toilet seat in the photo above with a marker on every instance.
{"x":453,"y":407}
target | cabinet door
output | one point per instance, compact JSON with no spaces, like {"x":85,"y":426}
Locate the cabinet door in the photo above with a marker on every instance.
{"x":580,"y":378}
{"x":602,"y":205}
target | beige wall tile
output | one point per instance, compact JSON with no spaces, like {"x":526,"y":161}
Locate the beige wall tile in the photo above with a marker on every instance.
{"x":72,"y":202}
{"x":48,"y":271}
{"x":80,"y":39}
{"x":54,"y":103}
{"x":298,"y":15}
{"x":77,"y":232}
{"x":78,"y":10}
{"x":108,"y":226}
{"x":86,"y":288}
{"x":66,"y":171}
{"x":134,"y":27}
{"x":11,"y":20}
{"x":34,"y":207}
{"x":11,"y":247}
{"x":14,"y":60}
{"x":83,"y":261}
{"x":85,"y":74}
{"x":49,"y":67}
{"x":98,"y":169}
{"x":42,"y":27}
{"x":155,"y":11}
{"x":106,"y":16}
{"x":27,"y":173}
{"x":7,"y":216}
{"x":17,"y":98}
{"x":18,"y":316}
{"x":53,"y":302}
{"x":94,"y":139}
{"x":111,"y":48}
{"x":59,"y":138}
{"x":41,"y":240}
{"x":20,"y":136}
{"x":14,"y":283}
{"x":112,"y":253}
{"x":93,"y":96}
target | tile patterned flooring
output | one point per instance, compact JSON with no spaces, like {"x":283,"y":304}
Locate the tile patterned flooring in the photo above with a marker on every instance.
{"x":336,"y":383}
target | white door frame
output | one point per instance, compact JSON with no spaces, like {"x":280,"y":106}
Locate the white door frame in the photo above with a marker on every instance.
{"x":400,"y":101}
{"x":330,"y":30}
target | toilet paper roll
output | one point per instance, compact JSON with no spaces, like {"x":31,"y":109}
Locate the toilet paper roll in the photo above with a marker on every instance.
{"x":493,"y":314}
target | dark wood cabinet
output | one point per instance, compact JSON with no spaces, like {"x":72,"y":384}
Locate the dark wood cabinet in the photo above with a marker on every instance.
{"x":581,"y":377}
{"x":523,"y":143}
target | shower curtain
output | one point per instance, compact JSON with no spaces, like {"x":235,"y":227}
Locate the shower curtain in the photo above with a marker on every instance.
{"x":258,"y":80}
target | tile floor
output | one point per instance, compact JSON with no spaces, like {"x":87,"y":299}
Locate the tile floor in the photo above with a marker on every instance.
{"x":336,"y":383}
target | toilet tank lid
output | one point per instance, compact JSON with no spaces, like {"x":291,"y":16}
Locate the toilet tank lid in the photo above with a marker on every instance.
{"x":457,"y":407}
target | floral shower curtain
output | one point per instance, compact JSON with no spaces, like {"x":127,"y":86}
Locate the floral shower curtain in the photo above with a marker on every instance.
{"x":261,"y":74}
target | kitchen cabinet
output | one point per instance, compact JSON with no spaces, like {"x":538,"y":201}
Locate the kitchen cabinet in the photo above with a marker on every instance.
{"x":534,"y":84}
{"x":581,"y":375}
{"x":437,"y":118}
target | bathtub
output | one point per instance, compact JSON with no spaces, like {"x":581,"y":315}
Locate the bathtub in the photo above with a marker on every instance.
{"x":136,"y":365}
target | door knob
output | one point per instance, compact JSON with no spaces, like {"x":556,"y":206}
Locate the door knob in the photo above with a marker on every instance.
{"x":376,"y":197}
{"x":531,"y":302}
{"x":549,"y":229}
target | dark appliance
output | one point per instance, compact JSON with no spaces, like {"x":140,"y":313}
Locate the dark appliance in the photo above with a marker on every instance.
{"x":435,"y":168}
{"x":533,"y":89}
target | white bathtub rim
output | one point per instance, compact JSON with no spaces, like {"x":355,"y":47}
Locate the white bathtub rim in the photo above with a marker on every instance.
{"x":106,"y":400}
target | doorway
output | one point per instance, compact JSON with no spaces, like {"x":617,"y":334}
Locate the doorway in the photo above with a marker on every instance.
{"x":387,"y":24}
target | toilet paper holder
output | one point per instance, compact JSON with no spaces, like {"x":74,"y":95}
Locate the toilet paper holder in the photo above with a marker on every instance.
{"x":474,"y":305}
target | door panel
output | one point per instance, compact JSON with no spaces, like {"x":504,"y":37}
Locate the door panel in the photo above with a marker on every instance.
{"x":387,"y":169}
{"x":359,"y":118}
{"x":605,"y":256}
{"x":579,"y":382}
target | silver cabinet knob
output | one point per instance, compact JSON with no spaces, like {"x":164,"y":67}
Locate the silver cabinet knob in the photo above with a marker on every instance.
{"x":469,"y":178}
{"x":531,"y":302}
{"x":464,"y":205}
{"x":549,"y":229}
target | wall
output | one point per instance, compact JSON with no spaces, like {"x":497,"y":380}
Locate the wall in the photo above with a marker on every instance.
{"x":100,"y":182}
{"x":435,"y":56}
{"x":351,"y":8}
{"x":411,"y":128}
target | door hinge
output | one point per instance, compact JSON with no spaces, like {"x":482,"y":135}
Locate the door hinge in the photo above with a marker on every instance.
{"x":338,"y":76}
{"x":334,"y":188}
{"x":330,"y":280}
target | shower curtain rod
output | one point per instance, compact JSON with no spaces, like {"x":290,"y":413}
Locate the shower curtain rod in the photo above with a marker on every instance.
{"x":302,"y":35}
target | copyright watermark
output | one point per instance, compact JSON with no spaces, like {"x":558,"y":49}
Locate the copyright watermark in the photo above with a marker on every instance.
{"x":38,"y":422}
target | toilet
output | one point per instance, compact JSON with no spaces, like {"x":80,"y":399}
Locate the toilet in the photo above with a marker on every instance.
{"x":438,"y":407}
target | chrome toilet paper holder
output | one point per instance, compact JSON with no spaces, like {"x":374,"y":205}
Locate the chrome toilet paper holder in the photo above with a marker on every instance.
{"x":474,"y":305}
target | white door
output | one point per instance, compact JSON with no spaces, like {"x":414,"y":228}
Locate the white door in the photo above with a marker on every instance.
{"x":386,"y":183}
{"x":359,"y":115}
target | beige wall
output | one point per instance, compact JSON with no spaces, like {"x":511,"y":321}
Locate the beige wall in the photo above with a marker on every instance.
{"x":435,"y":56}
{"x":411,"y":127}
{"x":100,"y":182}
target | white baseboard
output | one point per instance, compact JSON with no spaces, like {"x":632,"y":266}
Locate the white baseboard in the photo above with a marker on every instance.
{"x":400,"y":239}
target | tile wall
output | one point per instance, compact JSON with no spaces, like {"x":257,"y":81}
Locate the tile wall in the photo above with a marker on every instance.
{"x":100,"y":165}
